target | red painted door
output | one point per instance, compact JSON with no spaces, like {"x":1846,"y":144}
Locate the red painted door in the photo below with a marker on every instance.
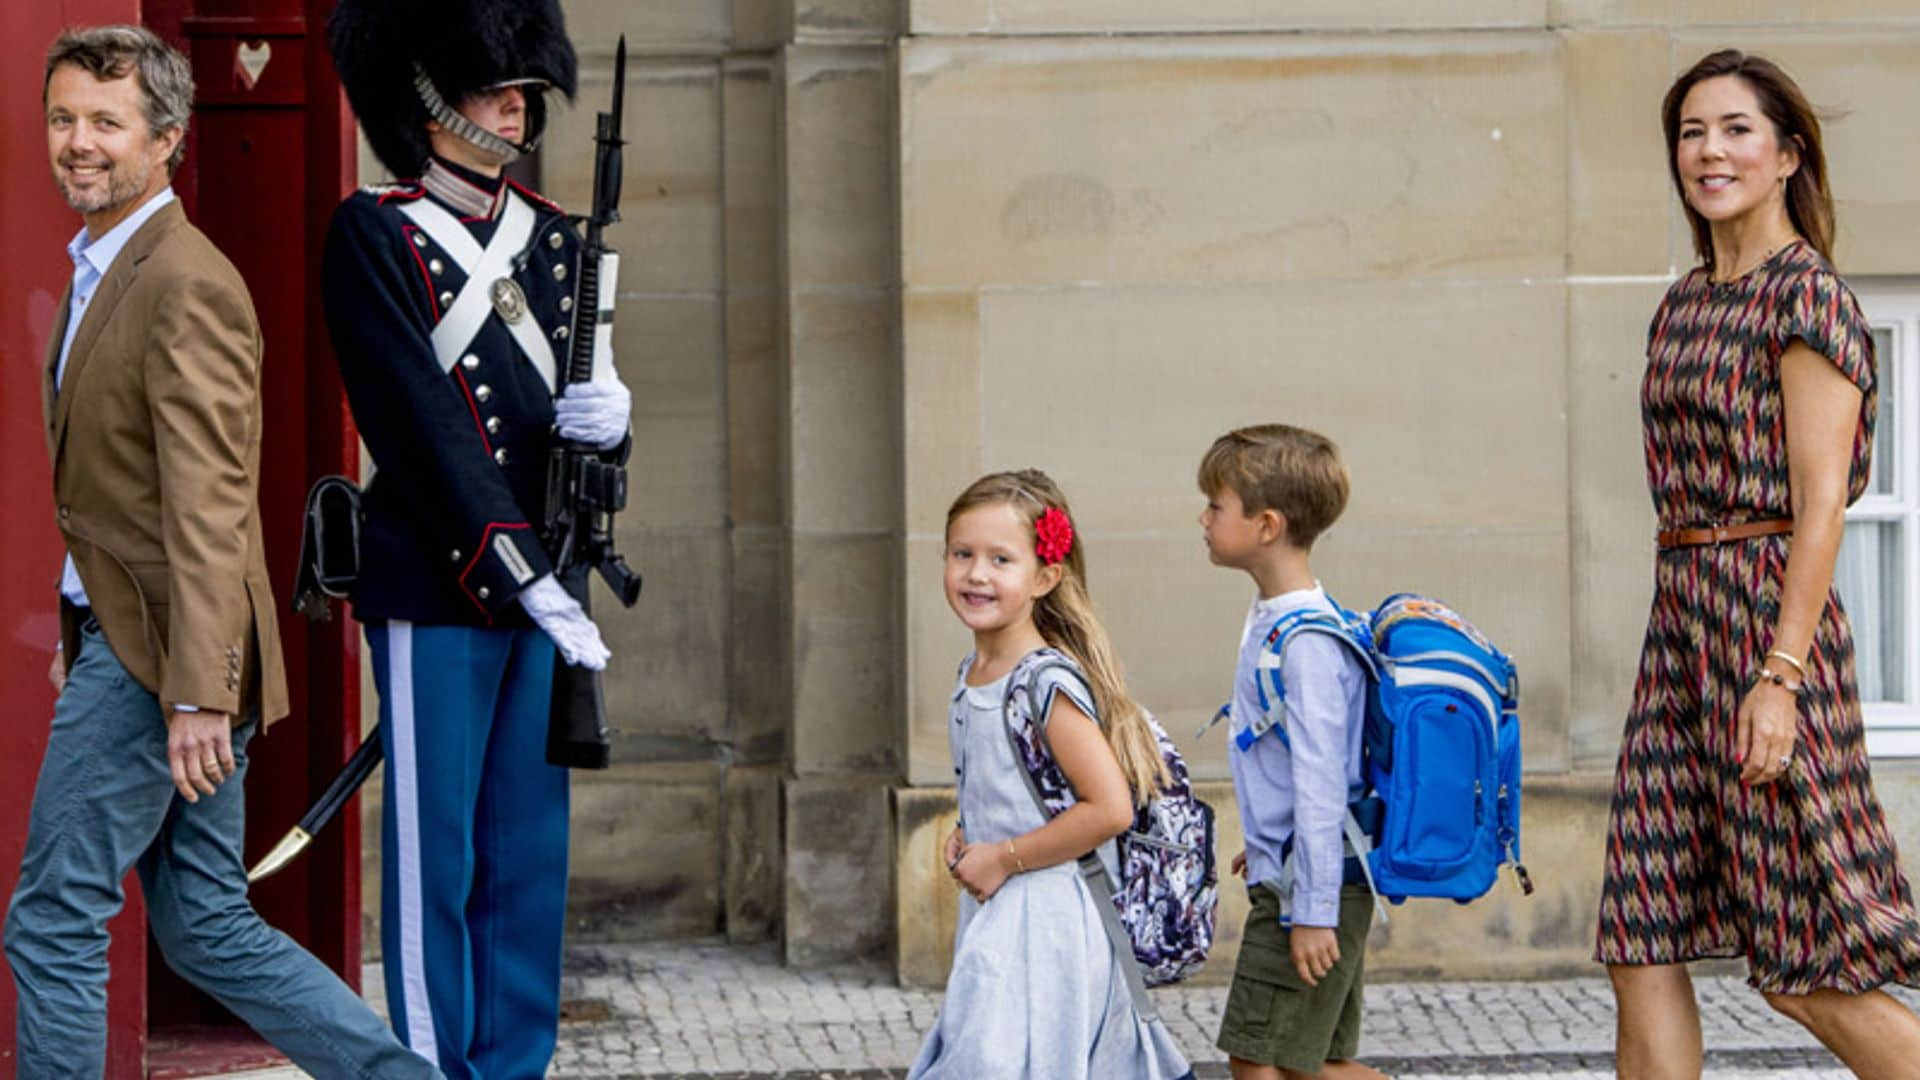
{"x":272,"y":156}
{"x":270,"y":153}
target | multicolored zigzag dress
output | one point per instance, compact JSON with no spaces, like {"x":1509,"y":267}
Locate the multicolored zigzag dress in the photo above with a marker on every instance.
{"x":1799,"y":876}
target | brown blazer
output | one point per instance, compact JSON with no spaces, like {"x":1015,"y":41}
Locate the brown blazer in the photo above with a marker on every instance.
{"x":155,"y":444}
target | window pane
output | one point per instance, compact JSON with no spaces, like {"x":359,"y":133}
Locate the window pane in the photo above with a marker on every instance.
{"x":1871,"y":578}
{"x":1887,"y":368}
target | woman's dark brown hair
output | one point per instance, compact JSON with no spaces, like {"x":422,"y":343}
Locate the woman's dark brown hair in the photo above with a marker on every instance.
{"x":1809,"y":201}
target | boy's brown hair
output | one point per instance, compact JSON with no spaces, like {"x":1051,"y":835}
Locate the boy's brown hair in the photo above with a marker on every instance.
{"x":1293,"y":471}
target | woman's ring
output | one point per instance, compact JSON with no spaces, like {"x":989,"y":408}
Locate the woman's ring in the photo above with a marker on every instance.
{"x":1786,"y":760}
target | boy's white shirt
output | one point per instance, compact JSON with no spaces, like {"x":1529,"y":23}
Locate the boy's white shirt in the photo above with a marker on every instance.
{"x":1304,"y":788}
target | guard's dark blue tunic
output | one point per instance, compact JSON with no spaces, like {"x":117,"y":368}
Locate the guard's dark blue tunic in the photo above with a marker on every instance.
{"x":450,"y":534}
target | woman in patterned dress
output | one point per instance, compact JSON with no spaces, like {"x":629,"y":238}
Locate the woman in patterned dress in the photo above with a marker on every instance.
{"x":1744,"y":821}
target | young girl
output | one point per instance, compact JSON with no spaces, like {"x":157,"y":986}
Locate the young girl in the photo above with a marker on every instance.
{"x":1036,"y":989}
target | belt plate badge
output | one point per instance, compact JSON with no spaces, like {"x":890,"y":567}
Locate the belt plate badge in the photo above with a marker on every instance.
{"x":508,"y":300}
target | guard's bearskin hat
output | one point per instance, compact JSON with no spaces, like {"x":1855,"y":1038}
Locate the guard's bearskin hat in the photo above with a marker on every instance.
{"x":404,"y":62}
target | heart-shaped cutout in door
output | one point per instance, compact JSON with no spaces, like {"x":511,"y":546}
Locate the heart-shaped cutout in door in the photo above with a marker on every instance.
{"x":249,"y":60}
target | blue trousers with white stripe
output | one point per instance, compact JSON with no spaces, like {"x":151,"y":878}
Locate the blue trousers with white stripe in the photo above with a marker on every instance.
{"x":474,"y":836}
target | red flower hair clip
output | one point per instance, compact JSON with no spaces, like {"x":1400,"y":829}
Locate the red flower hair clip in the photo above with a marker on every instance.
{"x":1052,"y":536}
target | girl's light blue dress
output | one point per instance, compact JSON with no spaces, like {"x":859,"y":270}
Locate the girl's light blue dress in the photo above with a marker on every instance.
{"x":1035,"y":990}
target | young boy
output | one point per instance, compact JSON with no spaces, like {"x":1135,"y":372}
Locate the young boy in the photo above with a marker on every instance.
{"x":1294,"y":1009}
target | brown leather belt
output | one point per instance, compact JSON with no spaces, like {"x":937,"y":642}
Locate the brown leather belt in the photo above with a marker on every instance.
{"x":1721,"y":534}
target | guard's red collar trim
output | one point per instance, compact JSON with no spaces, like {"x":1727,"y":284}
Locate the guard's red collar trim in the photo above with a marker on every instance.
{"x":535,"y":196}
{"x":405,"y":191}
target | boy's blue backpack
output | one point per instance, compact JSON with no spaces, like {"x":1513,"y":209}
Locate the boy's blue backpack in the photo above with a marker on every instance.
{"x":1442,"y":745}
{"x":1160,"y":917}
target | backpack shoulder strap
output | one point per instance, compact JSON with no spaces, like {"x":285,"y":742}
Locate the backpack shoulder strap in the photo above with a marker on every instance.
{"x":1027,"y":731}
{"x":1358,"y":845}
{"x":1346,"y":627}
{"x":1030,"y":748}
{"x":1103,"y":890}
{"x":1342,"y":626}
{"x":1069,"y":680}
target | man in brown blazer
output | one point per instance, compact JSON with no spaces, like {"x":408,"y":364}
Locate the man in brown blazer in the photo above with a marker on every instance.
{"x":169,"y":657}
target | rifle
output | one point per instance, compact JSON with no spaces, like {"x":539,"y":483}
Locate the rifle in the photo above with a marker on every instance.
{"x":584,"y":489}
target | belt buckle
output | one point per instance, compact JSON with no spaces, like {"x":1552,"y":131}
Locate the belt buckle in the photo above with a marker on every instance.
{"x":1722,"y":530}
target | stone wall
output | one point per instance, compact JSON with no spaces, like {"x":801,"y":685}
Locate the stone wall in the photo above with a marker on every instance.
{"x":873,"y":248}
{"x":1127,"y":227}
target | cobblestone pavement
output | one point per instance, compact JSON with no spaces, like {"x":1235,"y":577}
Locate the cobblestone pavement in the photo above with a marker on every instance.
{"x":707,"y":1009}
{"x":718,"y":1012}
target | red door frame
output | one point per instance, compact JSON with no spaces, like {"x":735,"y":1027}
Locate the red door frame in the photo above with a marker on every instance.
{"x":265,"y":167}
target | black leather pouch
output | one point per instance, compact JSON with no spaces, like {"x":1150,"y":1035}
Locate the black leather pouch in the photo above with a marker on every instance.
{"x":329,"y":546}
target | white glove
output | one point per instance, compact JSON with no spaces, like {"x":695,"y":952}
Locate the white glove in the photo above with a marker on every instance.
{"x":596,"y":413}
{"x":566,"y":622}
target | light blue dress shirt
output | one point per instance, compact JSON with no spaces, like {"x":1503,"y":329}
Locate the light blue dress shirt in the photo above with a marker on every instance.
{"x":90,"y":263}
{"x":1299,"y":792}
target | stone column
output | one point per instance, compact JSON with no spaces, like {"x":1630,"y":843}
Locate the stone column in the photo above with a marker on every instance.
{"x":843,"y":489}
{"x":759,"y":663}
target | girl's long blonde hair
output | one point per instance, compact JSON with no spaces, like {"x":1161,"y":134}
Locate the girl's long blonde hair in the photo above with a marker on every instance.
{"x":1066,"y":620}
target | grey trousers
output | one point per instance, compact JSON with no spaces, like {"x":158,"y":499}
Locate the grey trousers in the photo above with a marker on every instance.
{"x":105,"y":802}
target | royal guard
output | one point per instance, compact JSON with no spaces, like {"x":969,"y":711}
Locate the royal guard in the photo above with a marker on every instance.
{"x":450,"y":294}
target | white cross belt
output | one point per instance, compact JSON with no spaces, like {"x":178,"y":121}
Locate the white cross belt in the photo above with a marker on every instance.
{"x":470,"y":310}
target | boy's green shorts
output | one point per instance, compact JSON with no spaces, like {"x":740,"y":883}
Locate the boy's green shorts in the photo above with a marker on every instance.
{"x":1274,"y":1018}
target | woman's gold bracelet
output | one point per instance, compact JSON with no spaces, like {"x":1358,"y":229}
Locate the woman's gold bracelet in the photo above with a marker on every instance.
{"x":1018,"y":866}
{"x":1780,"y":654}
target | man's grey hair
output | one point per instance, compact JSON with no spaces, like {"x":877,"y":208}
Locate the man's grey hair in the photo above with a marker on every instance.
{"x":162,"y":73}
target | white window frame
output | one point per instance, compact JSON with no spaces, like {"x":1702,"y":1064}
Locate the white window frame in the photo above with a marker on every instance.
{"x":1893,"y":728}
